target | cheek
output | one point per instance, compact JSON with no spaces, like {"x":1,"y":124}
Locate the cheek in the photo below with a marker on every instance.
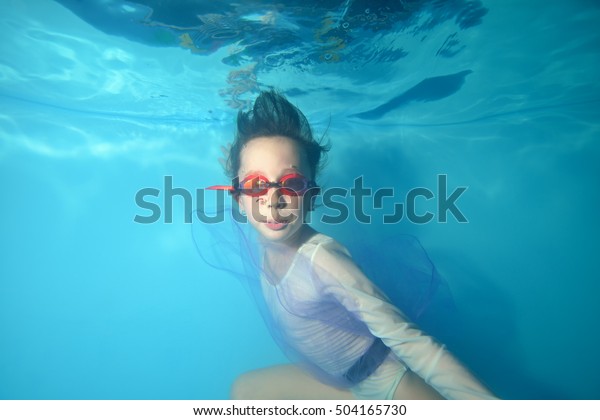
{"x":245,"y":202}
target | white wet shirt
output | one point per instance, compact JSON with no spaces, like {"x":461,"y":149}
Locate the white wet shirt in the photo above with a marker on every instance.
{"x":330,"y":312}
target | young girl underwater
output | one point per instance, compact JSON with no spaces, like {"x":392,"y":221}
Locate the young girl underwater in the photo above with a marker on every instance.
{"x":346,"y":338}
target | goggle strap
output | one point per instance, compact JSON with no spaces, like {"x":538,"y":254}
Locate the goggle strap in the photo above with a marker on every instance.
{"x":221,"y":187}
{"x":235,"y":187}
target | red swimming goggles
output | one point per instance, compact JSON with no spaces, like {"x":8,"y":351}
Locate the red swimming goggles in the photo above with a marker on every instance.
{"x":257,"y":185}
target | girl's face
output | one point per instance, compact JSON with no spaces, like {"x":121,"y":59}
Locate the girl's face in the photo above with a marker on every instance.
{"x":277,"y":217}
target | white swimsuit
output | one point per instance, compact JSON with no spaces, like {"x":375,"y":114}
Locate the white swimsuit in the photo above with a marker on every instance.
{"x":352,"y":314}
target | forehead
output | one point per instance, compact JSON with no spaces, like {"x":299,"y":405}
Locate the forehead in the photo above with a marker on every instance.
{"x":272,"y":154}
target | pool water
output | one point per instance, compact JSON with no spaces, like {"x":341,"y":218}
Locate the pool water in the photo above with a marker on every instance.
{"x":102,"y":100}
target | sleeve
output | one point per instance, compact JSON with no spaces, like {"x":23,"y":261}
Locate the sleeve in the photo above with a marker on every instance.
{"x":346,"y":283}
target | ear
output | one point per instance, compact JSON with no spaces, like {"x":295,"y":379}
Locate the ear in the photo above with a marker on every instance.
{"x":311,"y":195}
{"x":240,"y":203}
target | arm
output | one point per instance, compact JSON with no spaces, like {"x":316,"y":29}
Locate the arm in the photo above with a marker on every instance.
{"x":421,"y":353}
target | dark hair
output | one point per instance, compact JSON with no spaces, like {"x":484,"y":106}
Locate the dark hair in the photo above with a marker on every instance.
{"x":273,"y":115}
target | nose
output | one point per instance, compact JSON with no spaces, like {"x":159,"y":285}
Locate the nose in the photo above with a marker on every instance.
{"x":273,"y":199}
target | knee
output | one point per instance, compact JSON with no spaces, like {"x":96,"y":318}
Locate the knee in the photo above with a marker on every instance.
{"x":245,"y":387}
{"x":413,"y":387}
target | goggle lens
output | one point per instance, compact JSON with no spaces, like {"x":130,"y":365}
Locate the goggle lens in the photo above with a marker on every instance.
{"x":256,"y":185}
{"x":295,"y":185}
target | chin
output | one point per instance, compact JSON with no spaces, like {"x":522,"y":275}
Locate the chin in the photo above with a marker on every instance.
{"x":278,"y":232}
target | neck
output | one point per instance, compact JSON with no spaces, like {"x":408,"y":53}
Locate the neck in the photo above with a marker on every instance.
{"x":279,"y":255}
{"x":292,"y":244}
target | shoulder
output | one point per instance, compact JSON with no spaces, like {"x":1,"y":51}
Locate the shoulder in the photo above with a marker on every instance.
{"x":324,"y":246}
{"x":330,"y":258}
{"x":336,"y":271}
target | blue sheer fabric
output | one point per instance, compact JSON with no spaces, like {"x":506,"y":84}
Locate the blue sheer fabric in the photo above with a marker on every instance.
{"x":310,"y":314}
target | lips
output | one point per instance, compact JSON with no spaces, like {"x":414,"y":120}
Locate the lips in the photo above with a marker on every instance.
{"x":274,"y":225}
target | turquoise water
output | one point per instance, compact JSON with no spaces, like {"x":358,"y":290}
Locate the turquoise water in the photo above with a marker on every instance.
{"x":95,"y":108}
